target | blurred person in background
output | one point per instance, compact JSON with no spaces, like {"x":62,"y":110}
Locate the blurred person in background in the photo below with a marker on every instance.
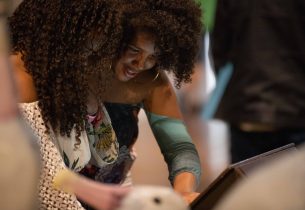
{"x":264,"y":101}
{"x":278,"y":184}
{"x":19,"y":156}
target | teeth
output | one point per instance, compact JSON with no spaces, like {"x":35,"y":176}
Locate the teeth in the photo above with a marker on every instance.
{"x":131,"y":72}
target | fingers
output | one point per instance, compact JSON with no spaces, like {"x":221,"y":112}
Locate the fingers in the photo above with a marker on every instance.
{"x":100,"y":196}
{"x":118,"y":194}
{"x":122,"y":192}
{"x":190,"y":197}
{"x":112,"y":198}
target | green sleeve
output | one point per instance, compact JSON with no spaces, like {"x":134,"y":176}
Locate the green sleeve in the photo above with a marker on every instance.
{"x":176,"y":145}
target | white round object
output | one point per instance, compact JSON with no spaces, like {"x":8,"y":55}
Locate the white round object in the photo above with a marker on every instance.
{"x":153,"y":198}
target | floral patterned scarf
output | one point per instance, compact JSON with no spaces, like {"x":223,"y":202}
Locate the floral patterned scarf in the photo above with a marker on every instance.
{"x":99,"y":144}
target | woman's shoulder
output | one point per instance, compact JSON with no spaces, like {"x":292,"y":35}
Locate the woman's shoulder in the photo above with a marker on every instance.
{"x":162,"y":98}
{"x":23,"y":80}
{"x":161,"y":86}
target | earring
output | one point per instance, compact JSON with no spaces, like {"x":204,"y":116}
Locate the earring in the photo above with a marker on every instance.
{"x":156,"y":76}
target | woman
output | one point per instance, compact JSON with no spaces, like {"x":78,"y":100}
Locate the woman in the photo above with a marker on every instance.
{"x":73,"y":55}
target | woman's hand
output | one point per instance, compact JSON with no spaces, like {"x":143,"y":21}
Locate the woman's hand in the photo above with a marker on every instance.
{"x":189,"y":197}
{"x":184,"y":184}
{"x":98,"y":195}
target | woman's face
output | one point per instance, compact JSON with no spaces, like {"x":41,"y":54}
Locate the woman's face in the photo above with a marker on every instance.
{"x":140,"y":55}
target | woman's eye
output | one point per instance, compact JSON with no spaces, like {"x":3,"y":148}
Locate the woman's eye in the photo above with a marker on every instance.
{"x":133,"y":49}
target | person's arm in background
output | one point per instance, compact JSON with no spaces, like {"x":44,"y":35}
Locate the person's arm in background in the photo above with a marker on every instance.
{"x":176,"y":145}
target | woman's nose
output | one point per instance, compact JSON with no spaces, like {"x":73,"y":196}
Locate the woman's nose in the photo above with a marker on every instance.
{"x":138,"y":63}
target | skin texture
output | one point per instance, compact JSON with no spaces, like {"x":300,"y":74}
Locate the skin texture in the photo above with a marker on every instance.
{"x":120,"y":48}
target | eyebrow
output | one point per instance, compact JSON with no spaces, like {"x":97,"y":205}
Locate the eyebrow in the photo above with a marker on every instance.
{"x":137,"y":48}
{"x":133,"y":46}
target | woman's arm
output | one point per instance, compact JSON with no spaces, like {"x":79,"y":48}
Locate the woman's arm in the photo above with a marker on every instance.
{"x":173,"y":138}
{"x":185,"y":183}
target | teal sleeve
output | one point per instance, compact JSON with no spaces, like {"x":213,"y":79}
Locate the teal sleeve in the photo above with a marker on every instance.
{"x":176,"y":145}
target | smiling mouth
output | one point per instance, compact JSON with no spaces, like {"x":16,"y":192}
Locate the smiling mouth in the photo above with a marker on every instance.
{"x":130,"y":73}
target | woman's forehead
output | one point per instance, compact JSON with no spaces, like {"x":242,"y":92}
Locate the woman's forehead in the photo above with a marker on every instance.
{"x":145,"y":40}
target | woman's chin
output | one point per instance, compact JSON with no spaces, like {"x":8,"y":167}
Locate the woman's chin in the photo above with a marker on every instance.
{"x":123,"y":78}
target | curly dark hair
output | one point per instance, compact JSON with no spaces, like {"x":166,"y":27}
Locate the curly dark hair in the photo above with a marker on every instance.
{"x":64,"y":41}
